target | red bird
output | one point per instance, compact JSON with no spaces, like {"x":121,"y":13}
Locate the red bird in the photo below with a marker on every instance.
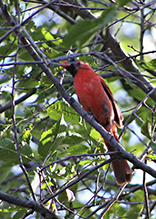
{"x":97,"y":99}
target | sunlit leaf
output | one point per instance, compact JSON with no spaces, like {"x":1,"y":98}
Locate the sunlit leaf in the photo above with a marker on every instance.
{"x":51,"y":139}
{"x":84,"y":162}
{"x":94,"y":134}
{"x":56,"y":110}
{"x":151,"y":64}
{"x":47,"y":34}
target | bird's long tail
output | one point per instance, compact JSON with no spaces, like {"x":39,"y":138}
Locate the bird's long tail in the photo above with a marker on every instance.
{"x":121,"y":168}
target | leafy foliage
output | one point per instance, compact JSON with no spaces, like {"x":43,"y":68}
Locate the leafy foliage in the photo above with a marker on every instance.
{"x":81,"y":35}
{"x":46,"y":148}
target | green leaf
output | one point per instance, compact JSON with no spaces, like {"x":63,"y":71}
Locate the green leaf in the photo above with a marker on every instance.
{"x":84,"y":162}
{"x":26,"y":151}
{"x":36,"y":34}
{"x":81,"y":32}
{"x":42,"y":94}
{"x":19,"y":213}
{"x":121,"y":3}
{"x":49,"y":36}
{"x":151,"y":64}
{"x":51,"y":53}
{"x":152,"y":157}
{"x":4,"y":172}
{"x":29,"y":111}
{"x":94,"y":134}
{"x":8,"y":153}
{"x":77,"y":149}
{"x":28,"y":83}
{"x":26,"y":135}
{"x":73,"y":139}
{"x":153,"y":146}
{"x":56,"y":110}
{"x":51,"y":139}
{"x":66,"y":196}
{"x":24,"y":55}
{"x":140,"y":94}
{"x":146,"y":129}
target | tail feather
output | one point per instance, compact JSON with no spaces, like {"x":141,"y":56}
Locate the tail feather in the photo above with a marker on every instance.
{"x":122,"y":171}
{"x":121,"y":168}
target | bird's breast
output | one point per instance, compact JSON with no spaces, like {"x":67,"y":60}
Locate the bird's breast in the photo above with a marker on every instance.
{"x":93,"y":97}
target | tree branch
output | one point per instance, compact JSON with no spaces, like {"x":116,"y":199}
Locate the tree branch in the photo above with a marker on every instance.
{"x":80,"y":177}
{"x":21,"y":99}
{"x":46,"y":213}
{"x":137,"y":163}
{"x":146,"y":195}
{"x":127,"y":63}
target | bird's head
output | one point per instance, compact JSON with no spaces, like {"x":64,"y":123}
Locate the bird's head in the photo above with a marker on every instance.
{"x":72,"y":66}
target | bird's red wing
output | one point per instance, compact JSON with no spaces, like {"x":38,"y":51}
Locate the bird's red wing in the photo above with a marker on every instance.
{"x":118,"y":116}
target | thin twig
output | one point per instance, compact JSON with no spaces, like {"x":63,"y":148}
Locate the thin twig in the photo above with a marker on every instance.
{"x":26,"y":203}
{"x":116,"y":197}
{"x":80,"y":177}
{"x":73,"y":103}
{"x":146,"y":194}
{"x":21,"y":99}
{"x":15,"y":135}
{"x":135,"y":110}
{"x":79,"y":156}
{"x":110,"y":203}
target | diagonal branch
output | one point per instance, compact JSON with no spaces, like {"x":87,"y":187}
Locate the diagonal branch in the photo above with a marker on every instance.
{"x":21,"y":99}
{"x":137,"y":163}
{"x":46,"y":213}
{"x":79,"y":178}
{"x":109,"y":42}
{"x":124,"y":59}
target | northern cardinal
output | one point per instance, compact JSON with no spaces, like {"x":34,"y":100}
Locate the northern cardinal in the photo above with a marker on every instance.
{"x":97,"y":99}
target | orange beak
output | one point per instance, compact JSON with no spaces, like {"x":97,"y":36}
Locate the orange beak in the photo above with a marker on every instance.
{"x":65,"y":64}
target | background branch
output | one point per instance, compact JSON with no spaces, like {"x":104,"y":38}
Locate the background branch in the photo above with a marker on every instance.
{"x":57,"y":140}
{"x":47,"y":214}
